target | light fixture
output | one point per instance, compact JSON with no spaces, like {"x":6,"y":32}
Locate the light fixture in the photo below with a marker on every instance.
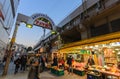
{"x":53,"y":32}
{"x":29,"y":25}
{"x":91,"y":46}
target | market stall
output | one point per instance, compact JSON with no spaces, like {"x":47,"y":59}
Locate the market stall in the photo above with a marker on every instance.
{"x":105,"y":51}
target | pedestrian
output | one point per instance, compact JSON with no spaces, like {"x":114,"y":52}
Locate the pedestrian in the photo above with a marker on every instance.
{"x":55,"y":61}
{"x":36,"y":66}
{"x":43,"y":63}
{"x":4,"y":59}
{"x":28,"y":63}
{"x":23,"y":63}
{"x":12,"y":58}
{"x":17,"y":64}
{"x":62,"y":63}
{"x":69,"y":62}
{"x":90,"y":61}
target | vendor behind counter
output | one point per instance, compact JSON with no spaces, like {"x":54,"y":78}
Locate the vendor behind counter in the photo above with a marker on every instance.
{"x":90,"y":61}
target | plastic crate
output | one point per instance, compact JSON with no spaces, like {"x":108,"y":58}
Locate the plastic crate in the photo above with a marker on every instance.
{"x":78,"y":72}
{"x":60,"y":73}
{"x":53,"y":71}
{"x":56,"y":72}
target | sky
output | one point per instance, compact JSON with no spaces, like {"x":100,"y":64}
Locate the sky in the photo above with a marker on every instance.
{"x":57,"y":10}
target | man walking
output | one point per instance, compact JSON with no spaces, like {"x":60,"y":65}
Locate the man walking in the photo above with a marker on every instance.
{"x":17,"y":64}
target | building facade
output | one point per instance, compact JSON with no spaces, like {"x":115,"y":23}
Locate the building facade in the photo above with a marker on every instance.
{"x":92,"y":18}
{"x":8,"y":10}
{"x":94,"y":26}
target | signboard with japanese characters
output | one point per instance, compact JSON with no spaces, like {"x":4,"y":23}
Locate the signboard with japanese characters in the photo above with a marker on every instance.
{"x":41,"y":20}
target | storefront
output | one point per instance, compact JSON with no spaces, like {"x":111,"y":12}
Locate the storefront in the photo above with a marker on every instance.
{"x":104,"y":49}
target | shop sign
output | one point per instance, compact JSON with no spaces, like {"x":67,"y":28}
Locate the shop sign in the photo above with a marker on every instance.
{"x":13,"y":40}
{"x":42,"y":23}
{"x":41,"y":20}
{"x":84,"y":51}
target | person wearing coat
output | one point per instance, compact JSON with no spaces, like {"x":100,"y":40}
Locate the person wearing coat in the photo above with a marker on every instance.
{"x":55,"y":61}
{"x":17,"y":64}
{"x":23,"y":63}
{"x":91,"y":61}
{"x":69,"y":62}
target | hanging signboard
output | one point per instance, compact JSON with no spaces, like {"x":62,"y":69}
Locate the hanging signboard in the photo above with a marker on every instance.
{"x":41,"y":20}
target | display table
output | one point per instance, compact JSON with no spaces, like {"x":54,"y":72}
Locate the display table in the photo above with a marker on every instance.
{"x":106,"y":73}
{"x":79,"y":72}
{"x":58,"y":72}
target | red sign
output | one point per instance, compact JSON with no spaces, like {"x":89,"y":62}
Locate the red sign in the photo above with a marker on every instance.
{"x":42,"y":24}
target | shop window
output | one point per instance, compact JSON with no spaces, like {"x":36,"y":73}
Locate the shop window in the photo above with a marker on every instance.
{"x":115,"y":25}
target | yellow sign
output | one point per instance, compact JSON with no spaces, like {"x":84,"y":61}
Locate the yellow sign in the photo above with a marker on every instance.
{"x":13,"y":40}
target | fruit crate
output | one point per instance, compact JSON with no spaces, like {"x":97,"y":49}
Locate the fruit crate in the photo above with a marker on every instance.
{"x":60,"y":73}
{"x":57,"y":72}
{"x":79,"y":72}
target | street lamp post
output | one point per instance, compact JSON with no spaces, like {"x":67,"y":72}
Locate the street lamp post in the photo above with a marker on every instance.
{"x":20,"y":18}
{"x":10,"y":51}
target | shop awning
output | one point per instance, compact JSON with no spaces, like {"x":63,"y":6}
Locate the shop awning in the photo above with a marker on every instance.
{"x":103,"y":39}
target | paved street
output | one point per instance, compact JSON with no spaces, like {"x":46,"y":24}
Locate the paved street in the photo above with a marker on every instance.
{"x":11,"y":68}
{"x":43,"y":75}
{"x":20,"y":75}
{"x":11,"y":75}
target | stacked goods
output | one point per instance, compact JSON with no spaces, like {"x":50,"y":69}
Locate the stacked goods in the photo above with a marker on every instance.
{"x":79,"y":68}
